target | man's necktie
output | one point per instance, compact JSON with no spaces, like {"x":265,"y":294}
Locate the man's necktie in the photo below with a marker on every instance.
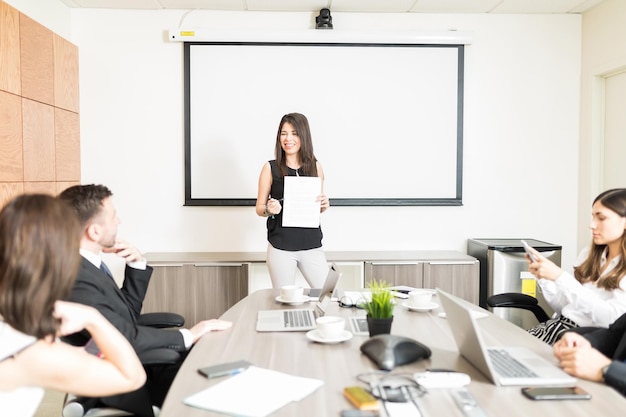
{"x":104,"y":268}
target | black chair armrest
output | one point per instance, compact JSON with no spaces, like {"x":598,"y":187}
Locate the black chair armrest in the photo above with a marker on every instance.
{"x":161,"y":320}
{"x":517,"y":300}
{"x":161,"y":356}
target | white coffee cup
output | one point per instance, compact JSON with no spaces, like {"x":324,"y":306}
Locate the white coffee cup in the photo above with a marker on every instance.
{"x":330,"y":327}
{"x":420,"y":298}
{"x":291,"y":292}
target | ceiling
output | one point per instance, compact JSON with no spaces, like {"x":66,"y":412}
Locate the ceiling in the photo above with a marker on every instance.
{"x":382,"y":6}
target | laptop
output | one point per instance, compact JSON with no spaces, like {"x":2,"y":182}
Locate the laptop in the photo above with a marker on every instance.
{"x":298,"y":320}
{"x":504,"y":366}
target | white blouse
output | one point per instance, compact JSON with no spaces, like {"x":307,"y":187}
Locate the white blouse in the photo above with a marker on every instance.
{"x":24,"y":401}
{"x":586,"y":304}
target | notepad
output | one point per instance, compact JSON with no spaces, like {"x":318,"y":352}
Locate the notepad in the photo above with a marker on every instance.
{"x":265,"y":391}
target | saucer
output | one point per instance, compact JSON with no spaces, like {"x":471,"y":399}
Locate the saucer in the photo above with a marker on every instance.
{"x":426,"y":307}
{"x":315,"y":336}
{"x":298,"y":301}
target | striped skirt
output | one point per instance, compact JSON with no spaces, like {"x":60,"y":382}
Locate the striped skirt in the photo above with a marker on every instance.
{"x":550,"y":331}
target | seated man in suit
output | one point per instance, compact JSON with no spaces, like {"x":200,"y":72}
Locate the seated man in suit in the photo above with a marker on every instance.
{"x":596,"y":354}
{"x":95,"y":287}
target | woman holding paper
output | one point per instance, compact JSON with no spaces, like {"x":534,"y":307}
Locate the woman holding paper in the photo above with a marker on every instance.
{"x":292,"y":247}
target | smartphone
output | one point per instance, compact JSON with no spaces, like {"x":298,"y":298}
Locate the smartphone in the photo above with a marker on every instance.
{"x":556,"y":393}
{"x":223,"y":369}
{"x":528,"y":252}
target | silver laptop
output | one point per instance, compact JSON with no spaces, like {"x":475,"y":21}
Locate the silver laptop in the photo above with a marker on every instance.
{"x":298,"y":320}
{"x":505,"y":366}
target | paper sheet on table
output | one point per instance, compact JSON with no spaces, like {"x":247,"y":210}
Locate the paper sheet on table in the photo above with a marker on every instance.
{"x":406,"y":409}
{"x":256,"y":392}
{"x":299,"y":206}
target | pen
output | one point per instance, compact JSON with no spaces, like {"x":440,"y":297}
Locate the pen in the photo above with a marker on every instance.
{"x":277,"y":199}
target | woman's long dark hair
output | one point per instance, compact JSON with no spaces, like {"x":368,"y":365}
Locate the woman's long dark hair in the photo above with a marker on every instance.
{"x":308,"y":161}
{"x":39,"y":258}
{"x":589,"y":270}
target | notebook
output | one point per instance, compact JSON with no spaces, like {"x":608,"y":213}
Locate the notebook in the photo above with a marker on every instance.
{"x":504,"y":366}
{"x":298,"y":320}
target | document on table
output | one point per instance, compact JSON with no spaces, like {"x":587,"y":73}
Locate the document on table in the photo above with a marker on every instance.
{"x":255,"y":392}
{"x":299,"y":206}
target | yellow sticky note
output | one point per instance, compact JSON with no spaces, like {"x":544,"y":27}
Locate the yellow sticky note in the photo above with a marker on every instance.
{"x":529,"y":287}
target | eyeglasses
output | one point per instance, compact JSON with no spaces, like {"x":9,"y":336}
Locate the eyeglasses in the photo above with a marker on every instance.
{"x":346,"y":302}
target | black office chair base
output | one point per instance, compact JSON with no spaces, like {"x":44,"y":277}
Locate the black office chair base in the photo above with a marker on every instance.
{"x":72,"y":407}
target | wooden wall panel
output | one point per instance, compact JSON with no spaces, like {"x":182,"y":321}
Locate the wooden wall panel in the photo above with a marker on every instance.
{"x":41,"y":188}
{"x":39,"y":120}
{"x":61,"y":186}
{"x":65,"y":74}
{"x":8,"y":190}
{"x":10,"y":47}
{"x":37,"y":61}
{"x":67,"y":147}
{"x":38,"y":131}
{"x":11,"y":159}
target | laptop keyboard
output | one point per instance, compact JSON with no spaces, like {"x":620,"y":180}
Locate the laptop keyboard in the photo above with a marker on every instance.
{"x":507,"y":366}
{"x":297,"y":318}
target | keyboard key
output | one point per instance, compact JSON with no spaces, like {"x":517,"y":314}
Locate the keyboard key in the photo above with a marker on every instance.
{"x":508,"y":366}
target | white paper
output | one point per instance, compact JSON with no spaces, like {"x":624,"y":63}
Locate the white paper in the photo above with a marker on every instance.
{"x":265,"y":391}
{"x":299,"y":206}
{"x":406,"y":409}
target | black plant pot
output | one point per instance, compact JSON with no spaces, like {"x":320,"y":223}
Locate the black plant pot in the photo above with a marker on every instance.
{"x":379,"y":326}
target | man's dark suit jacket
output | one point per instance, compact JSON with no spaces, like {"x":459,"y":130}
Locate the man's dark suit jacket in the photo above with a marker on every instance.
{"x":612,"y":343}
{"x":122,"y":308}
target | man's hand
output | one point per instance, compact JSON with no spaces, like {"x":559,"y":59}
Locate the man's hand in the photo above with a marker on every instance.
{"x":126,"y":251}
{"x":585,"y":362}
{"x":207,"y":326}
{"x":568,"y":342}
{"x":579,"y":358}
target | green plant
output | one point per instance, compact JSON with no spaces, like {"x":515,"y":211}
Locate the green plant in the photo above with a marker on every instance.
{"x":381,"y":305}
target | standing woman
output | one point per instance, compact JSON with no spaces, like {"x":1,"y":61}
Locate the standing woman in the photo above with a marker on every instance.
{"x":596,"y":294}
{"x":39,"y":258}
{"x":291,"y":247}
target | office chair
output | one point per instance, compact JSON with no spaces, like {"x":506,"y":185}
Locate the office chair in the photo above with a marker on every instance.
{"x":86,"y":407}
{"x":518,"y":300}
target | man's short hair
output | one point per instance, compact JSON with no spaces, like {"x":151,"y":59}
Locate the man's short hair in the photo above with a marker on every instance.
{"x":86,"y":200}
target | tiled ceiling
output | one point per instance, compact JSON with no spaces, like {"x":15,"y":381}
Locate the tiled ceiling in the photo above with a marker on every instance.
{"x":384,"y":6}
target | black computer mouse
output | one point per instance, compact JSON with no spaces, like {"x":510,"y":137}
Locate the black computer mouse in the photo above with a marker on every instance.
{"x":388,"y":351}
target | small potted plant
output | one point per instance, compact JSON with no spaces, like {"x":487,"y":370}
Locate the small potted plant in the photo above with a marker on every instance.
{"x":380,"y":308}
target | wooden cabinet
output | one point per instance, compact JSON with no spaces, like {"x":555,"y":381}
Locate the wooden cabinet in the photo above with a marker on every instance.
{"x":457,"y":275}
{"x":196,"y":291}
{"x":460,"y":278}
{"x":395,"y":273}
{"x":203,"y":285}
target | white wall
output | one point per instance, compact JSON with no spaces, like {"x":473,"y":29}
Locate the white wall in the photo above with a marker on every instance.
{"x":603,"y":54}
{"x":520,"y":152}
{"x":51,"y":13}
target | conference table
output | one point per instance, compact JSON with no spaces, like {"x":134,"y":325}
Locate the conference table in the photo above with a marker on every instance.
{"x":338,"y":365}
